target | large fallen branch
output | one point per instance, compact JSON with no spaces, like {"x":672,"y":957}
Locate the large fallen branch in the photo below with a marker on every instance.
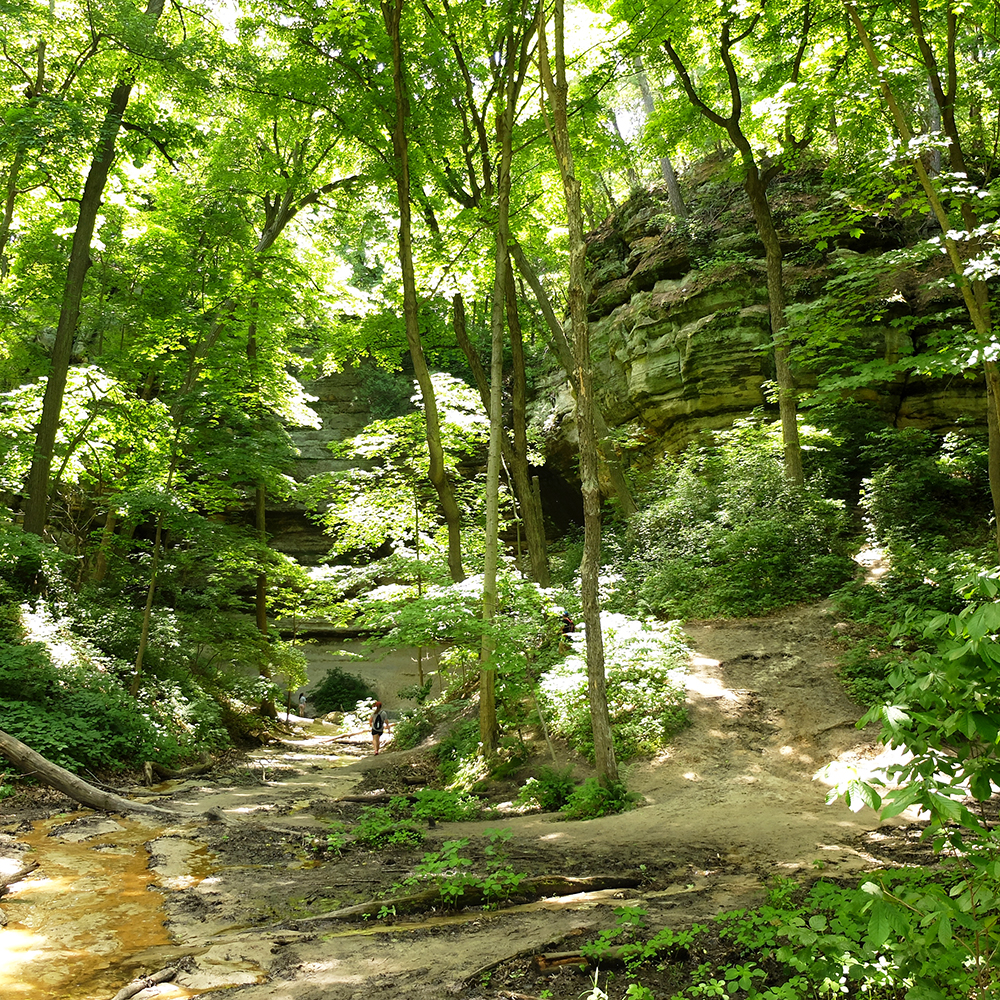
{"x":472,"y":895}
{"x":36,"y":766}
{"x":8,"y":880}
{"x":151,"y":768}
{"x":550,"y":960}
{"x":144,"y":982}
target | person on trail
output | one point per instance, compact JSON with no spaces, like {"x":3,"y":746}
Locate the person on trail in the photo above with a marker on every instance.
{"x":380,"y":723}
{"x":566,"y":628}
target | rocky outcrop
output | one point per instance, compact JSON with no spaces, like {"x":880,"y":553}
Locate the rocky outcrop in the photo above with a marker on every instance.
{"x":342,"y":406}
{"x":680,"y":327}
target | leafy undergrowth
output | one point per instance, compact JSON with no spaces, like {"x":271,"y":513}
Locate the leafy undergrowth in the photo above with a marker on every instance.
{"x":891,"y":936}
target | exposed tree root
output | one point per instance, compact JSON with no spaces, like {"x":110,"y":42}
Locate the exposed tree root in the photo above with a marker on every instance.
{"x":531,"y":888}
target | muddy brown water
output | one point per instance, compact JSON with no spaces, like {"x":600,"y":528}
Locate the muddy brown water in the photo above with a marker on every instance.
{"x":95,"y":913}
{"x":732,"y":803}
{"x":86,"y":909}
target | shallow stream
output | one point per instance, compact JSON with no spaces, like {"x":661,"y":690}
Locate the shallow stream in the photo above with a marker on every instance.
{"x":84,"y":912}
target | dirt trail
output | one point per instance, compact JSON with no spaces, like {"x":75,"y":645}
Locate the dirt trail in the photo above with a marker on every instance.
{"x":732,"y":804}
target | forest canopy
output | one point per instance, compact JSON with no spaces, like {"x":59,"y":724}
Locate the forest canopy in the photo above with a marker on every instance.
{"x":495,"y":226}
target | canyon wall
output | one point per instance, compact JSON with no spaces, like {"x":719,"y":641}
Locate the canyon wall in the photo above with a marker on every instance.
{"x":680,"y":329}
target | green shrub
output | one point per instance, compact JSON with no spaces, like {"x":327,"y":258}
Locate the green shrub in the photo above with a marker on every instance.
{"x":549,"y":792}
{"x":724,"y":532}
{"x":459,"y":745}
{"x":445,"y":806}
{"x":593,"y":799}
{"x":925,"y":486}
{"x":411,"y":728}
{"x":380,"y":826}
{"x":339,"y":691}
{"x":643,"y":667}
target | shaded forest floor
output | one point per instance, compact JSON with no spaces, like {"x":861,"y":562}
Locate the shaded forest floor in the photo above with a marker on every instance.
{"x":732,"y":805}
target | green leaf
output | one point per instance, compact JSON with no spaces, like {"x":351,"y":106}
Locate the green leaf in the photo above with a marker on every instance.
{"x":879,"y":924}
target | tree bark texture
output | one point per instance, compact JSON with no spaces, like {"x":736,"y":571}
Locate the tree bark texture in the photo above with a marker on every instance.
{"x":973,"y":293}
{"x":557,"y":89}
{"x":564,"y":353}
{"x":392,"y":13}
{"x":531,"y":510}
{"x":666,"y":167}
{"x":755,"y":184}
{"x":36,"y":766}
{"x":36,"y":508}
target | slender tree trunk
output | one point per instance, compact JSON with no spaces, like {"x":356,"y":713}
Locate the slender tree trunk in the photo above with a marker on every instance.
{"x":787,"y":401}
{"x":36,"y":508}
{"x":392,"y":11}
{"x":267,"y":706}
{"x":755,"y":184}
{"x":16,"y":164}
{"x":666,"y":167}
{"x":534,"y":526}
{"x":147,"y":611}
{"x":104,"y":547}
{"x":530,"y":508}
{"x":973,"y":293}
{"x":488,"y":725}
{"x":564,"y":352}
{"x":557,"y":89}
{"x":13,"y":173}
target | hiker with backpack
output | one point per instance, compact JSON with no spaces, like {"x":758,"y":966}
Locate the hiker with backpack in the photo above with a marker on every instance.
{"x":379,"y":723}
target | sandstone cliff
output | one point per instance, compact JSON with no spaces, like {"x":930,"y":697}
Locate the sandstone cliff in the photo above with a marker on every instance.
{"x":680,"y":326}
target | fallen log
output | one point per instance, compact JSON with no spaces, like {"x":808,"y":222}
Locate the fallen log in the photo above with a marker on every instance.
{"x":377,"y":797}
{"x":8,"y":880}
{"x":472,"y":895}
{"x":477,"y":976}
{"x":144,"y":982}
{"x":151,"y":768}
{"x":36,"y":766}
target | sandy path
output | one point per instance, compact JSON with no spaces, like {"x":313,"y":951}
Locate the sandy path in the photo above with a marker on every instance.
{"x":732,"y":804}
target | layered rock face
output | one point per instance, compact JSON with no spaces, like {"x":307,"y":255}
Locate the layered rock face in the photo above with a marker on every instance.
{"x":680,"y":328}
{"x":341,"y":403}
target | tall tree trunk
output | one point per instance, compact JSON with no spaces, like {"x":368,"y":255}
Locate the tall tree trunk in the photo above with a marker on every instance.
{"x":666,"y":167}
{"x":531,"y":510}
{"x":16,"y":164}
{"x":755,"y":184}
{"x":557,"y":89}
{"x":787,"y":401}
{"x":564,"y":352}
{"x":36,"y":508}
{"x":973,"y":293}
{"x":392,"y":11}
{"x":489,"y":729}
{"x":267,"y":706}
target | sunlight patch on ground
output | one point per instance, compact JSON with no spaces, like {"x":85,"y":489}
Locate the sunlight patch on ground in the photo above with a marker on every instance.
{"x":40,"y":626}
{"x":871,"y":560}
{"x":852,"y":765}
